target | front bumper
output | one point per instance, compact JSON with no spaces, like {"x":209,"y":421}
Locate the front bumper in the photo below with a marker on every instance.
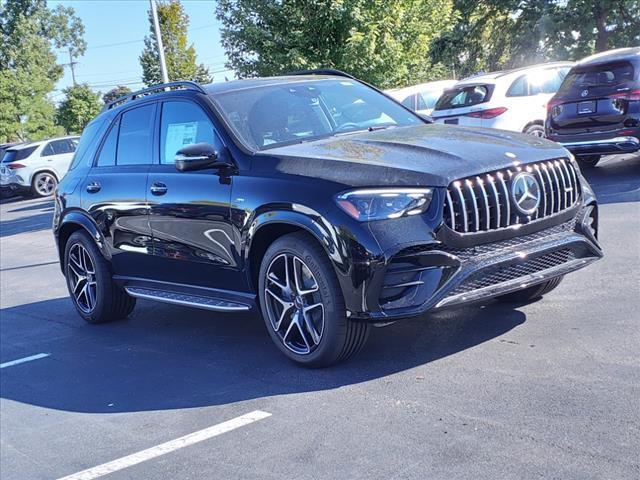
{"x":437,"y":276}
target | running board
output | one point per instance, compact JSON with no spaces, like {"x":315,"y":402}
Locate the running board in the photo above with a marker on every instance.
{"x":188,"y":300}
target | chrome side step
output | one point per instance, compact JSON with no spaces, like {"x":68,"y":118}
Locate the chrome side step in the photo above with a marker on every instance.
{"x":195,"y":301}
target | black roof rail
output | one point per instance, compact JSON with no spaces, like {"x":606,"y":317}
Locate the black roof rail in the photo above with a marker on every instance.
{"x":321,"y":71}
{"x":160,"y":87}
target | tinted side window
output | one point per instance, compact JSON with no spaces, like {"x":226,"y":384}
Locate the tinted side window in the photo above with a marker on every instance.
{"x":546,"y":81}
{"x":408,"y":102}
{"x":48,"y":150}
{"x":518,"y":88}
{"x":87,"y":141}
{"x":107,"y":156}
{"x":183,"y":123}
{"x":134,"y":139}
{"x":15,"y":155}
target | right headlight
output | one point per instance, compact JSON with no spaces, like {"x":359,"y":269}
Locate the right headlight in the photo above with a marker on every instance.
{"x":383,"y":203}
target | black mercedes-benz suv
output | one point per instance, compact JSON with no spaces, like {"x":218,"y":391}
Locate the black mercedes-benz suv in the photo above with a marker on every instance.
{"x":596,"y":110}
{"x":317,"y":200}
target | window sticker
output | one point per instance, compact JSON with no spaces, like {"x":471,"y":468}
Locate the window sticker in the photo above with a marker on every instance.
{"x":179,"y":135}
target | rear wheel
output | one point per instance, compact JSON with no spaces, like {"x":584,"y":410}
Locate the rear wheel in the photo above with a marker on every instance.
{"x":302,"y":304}
{"x":531,"y":293}
{"x":44,"y":184}
{"x":589,"y":161}
{"x":95,"y":295}
{"x":535,"y":130}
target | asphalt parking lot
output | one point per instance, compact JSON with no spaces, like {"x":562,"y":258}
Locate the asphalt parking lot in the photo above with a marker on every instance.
{"x":546,"y":390}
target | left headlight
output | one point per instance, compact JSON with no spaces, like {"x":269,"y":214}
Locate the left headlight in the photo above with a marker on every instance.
{"x":381,"y":203}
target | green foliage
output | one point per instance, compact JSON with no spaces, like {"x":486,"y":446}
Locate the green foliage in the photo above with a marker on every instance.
{"x":115,"y":93}
{"x":496,"y":34}
{"x":81,"y":105}
{"x":180,"y":57}
{"x":28,"y":69}
{"x":382,"y":42}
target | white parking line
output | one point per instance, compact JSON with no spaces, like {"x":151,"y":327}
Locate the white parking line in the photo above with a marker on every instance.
{"x":23,"y":360}
{"x":168,"y":447}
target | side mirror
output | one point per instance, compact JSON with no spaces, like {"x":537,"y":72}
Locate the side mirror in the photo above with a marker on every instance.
{"x":198,"y":156}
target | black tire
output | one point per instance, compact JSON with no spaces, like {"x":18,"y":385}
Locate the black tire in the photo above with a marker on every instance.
{"x":535,"y":130}
{"x":340,"y":338}
{"x":43,"y":184}
{"x":111,"y":301}
{"x":589,"y":161}
{"x":531,"y":293}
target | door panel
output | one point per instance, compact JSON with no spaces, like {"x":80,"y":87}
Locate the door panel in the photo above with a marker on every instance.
{"x":115,"y":191}
{"x":190,"y":211}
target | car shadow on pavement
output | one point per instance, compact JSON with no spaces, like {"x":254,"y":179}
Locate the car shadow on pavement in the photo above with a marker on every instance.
{"x":167,"y":357}
{"x":46,"y":205}
{"x":615,"y":179}
{"x":33,"y":223}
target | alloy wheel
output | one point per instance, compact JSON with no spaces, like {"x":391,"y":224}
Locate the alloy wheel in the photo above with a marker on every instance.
{"x":81,"y":276}
{"x":294,"y":304}
{"x":45,"y":184}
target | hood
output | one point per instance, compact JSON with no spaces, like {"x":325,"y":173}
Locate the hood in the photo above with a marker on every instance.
{"x":430,"y":155}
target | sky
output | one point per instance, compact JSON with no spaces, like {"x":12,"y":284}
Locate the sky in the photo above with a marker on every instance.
{"x":114,"y":32}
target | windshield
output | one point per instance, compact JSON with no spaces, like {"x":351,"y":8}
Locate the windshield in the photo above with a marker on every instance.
{"x":266,"y":117}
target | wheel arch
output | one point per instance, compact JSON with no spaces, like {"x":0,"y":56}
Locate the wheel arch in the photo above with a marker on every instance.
{"x":76,"y":221}
{"x":533,"y":122}
{"x":43,"y":170}
{"x":267,"y":227}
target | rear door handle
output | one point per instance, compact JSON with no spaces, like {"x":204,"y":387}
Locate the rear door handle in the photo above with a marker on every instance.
{"x":158,"y":188}
{"x":94,"y":187}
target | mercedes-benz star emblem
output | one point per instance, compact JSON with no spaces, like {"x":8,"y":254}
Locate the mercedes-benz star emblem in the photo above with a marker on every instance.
{"x":584,"y":93}
{"x":525,"y":192}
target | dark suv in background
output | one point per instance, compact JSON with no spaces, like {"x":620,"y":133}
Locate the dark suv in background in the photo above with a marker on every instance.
{"x":596,"y":111}
{"x":316,"y":199}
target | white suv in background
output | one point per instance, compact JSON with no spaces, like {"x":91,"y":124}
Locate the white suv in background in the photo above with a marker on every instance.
{"x":510,"y":100}
{"x":420,"y":98}
{"x":38,"y":166}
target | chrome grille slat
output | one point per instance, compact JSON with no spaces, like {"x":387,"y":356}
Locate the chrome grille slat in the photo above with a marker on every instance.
{"x":558,"y":185}
{"x":474,"y":199}
{"x":487,"y":213}
{"x":496,"y":198}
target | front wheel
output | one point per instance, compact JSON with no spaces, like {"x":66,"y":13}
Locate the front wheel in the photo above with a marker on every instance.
{"x":302,"y":304}
{"x":530,"y":293}
{"x":95,"y":295}
{"x":44,"y":184}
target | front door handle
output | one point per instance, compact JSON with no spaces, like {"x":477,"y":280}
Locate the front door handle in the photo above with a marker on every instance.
{"x":158,"y":188}
{"x":94,"y":187}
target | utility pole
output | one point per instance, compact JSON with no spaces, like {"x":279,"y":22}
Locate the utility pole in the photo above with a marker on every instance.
{"x":72,"y":66}
{"x":156,"y":26}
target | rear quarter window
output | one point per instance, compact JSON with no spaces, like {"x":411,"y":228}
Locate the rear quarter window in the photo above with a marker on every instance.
{"x":463,"y":97}
{"x":15,"y":155}
{"x":88,"y":142}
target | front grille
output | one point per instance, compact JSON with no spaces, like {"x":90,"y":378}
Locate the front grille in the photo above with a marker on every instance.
{"x":483,"y":202}
{"x":488,"y":278}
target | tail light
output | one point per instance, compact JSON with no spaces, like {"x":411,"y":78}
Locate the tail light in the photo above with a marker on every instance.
{"x":630,"y":95}
{"x":554,"y":107}
{"x":15,"y":166}
{"x":489,"y":113}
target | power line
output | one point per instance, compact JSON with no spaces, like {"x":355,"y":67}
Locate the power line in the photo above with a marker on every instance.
{"x":129,"y":42}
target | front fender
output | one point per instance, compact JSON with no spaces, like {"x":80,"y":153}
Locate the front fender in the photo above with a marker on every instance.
{"x":353,"y":260}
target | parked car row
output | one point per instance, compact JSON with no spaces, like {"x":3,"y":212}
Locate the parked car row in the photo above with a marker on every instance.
{"x":591,"y":107}
{"x":35,"y":167}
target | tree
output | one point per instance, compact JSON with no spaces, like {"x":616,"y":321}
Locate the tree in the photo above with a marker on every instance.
{"x":495,"y":34}
{"x":385,"y":43}
{"x":28,"y":69}
{"x":115,"y":93}
{"x":180,"y":58}
{"x":81,"y":104}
